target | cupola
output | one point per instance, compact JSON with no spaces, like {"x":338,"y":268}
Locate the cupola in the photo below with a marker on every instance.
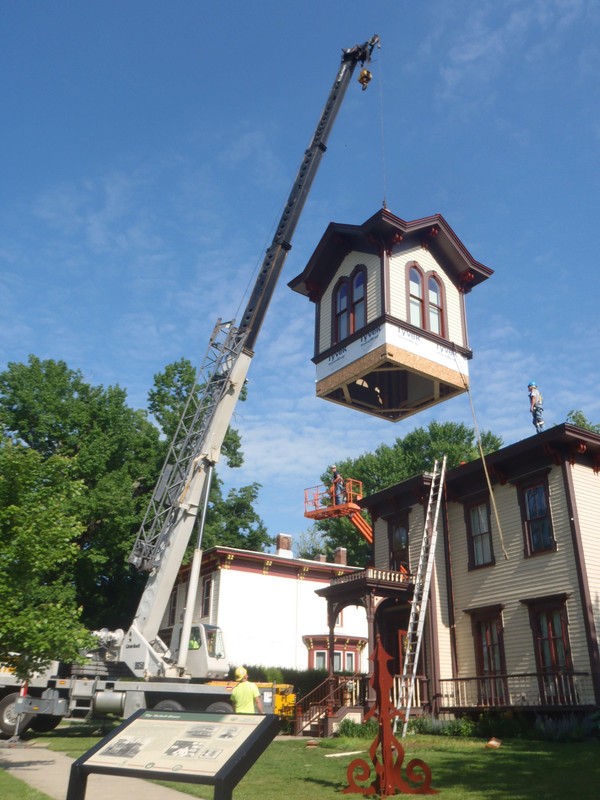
{"x":390,"y":319}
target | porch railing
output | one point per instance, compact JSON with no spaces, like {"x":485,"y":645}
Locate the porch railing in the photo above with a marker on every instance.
{"x":327,"y":698}
{"x":531,"y":689}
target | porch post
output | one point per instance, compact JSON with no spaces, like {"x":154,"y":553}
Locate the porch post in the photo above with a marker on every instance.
{"x":370,"y":609}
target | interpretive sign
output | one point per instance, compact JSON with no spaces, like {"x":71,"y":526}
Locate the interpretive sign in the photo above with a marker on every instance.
{"x":215,"y":749}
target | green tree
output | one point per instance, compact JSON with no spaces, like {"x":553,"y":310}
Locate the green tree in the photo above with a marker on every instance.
{"x":116,"y":454}
{"x":40,"y":618}
{"x":578,"y":418}
{"x":233,"y":522}
{"x":391,"y":464}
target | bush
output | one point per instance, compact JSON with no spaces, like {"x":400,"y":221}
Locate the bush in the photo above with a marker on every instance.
{"x":562,"y":729}
{"x":303,"y":681}
{"x":357,"y":730}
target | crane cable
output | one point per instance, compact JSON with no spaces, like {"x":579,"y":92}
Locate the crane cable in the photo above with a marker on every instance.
{"x":480,"y":447}
{"x":382,"y":129}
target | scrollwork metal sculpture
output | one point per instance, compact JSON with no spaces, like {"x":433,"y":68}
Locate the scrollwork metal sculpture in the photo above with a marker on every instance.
{"x":386,"y":752}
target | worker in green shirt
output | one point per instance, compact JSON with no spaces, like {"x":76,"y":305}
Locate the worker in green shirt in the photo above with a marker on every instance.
{"x":245,"y":696}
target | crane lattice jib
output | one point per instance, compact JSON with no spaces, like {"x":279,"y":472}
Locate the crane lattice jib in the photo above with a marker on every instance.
{"x":228,"y":342}
{"x":188,"y":442}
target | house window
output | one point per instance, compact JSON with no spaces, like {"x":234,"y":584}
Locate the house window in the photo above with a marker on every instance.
{"x":349,"y":662}
{"x":320,"y":659}
{"x":415,"y":283}
{"x":342,"y":315}
{"x":337,"y":661}
{"x":172,"y":611}
{"x":488,"y":635}
{"x":435,"y":306}
{"x":479,"y":535}
{"x":206,"y":596}
{"x":359,"y":312}
{"x":350,"y":304}
{"x":549,"y":626}
{"x":426,"y":300}
{"x":398,"y":542}
{"x":535,"y":513}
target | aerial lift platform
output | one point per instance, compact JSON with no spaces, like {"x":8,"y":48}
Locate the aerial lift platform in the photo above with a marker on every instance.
{"x":320,"y":503}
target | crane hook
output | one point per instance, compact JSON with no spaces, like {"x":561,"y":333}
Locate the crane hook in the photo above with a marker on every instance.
{"x":365,"y":78}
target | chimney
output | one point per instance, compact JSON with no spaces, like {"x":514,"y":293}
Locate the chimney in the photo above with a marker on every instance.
{"x":321,"y":558}
{"x":283,"y":544}
{"x":339,"y":556}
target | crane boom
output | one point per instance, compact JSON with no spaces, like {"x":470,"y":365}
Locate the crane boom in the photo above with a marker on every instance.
{"x":173,"y":509}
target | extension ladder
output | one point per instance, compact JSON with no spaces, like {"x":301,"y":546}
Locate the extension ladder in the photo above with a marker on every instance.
{"x":416,"y":622}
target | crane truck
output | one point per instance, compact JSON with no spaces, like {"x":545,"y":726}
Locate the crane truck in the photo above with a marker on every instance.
{"x":134,"y":669}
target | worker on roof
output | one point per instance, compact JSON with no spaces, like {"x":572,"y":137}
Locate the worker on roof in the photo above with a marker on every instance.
{"x":536,"y":406}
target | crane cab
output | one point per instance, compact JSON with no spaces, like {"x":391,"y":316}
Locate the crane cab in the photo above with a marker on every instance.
{"x":206,"y":651}
{"x":390,"y":319}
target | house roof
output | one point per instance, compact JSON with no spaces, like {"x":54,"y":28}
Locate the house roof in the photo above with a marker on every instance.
{"x":560,"y":443}
{"x":383,"y":231}
{"x":269,"y":563}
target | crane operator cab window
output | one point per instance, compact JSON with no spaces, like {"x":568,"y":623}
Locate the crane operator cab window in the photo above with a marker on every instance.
{"x":214,"y":641}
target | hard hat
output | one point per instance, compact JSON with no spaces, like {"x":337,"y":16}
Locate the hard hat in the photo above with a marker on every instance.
{"x":532,"y":383}
{"x":240,"y":673}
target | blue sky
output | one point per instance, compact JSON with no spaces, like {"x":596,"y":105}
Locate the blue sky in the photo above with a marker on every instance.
{"x":148,"y":147}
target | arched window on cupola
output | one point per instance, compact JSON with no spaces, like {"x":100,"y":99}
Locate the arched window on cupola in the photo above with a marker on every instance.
{"x":350,"y":304}
{"x":341,"y":311}
{"x":435,"y":306}
{"x":415,"y":297}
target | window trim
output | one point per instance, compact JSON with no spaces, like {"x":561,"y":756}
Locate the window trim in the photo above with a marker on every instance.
{"x":541,"y":479}
{"x":432,"y":276}
{"x":468,"y":507}
{"x":348,"y":281}
{"x":554,"y":680}
{"x":206,"y":596}
{"x":397,"y":522}
{"x":425,"y":306}
{"x":492,"y":687}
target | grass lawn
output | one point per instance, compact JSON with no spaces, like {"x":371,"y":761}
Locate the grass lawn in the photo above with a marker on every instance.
{"x":462,"y":769}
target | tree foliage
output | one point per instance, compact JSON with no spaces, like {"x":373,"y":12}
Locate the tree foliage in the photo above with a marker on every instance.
{"x":390,"y":464}
{"x":114,"y":452}
{"x":40,"y":617}
{"x":578,"y":418}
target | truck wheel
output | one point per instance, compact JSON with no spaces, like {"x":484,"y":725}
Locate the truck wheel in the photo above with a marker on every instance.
{"x":220,"y":708}
{"x":43,"y":723}
{"x":8,"y":717}
{"x":168,"y":705}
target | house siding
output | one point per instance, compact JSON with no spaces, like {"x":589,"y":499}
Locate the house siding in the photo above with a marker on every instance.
{"x":515,"y":578}
{"x":263,"y":616}
{"x":398,"y":307}
{"x":586,"y":483}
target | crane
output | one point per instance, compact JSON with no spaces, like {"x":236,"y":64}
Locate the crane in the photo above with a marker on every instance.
{"x":181,"y":492}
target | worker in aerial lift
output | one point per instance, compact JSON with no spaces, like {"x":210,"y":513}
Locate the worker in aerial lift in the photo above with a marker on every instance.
{"x":536,"y":406}
{"x":337,"y":486}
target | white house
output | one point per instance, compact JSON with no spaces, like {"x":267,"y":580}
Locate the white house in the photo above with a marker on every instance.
{"x":268,"y":610}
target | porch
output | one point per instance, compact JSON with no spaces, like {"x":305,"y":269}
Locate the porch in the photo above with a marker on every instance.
{"x":320,"y":712}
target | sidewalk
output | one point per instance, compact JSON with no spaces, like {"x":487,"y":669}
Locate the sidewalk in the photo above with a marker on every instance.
{"x":49,"y":772}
